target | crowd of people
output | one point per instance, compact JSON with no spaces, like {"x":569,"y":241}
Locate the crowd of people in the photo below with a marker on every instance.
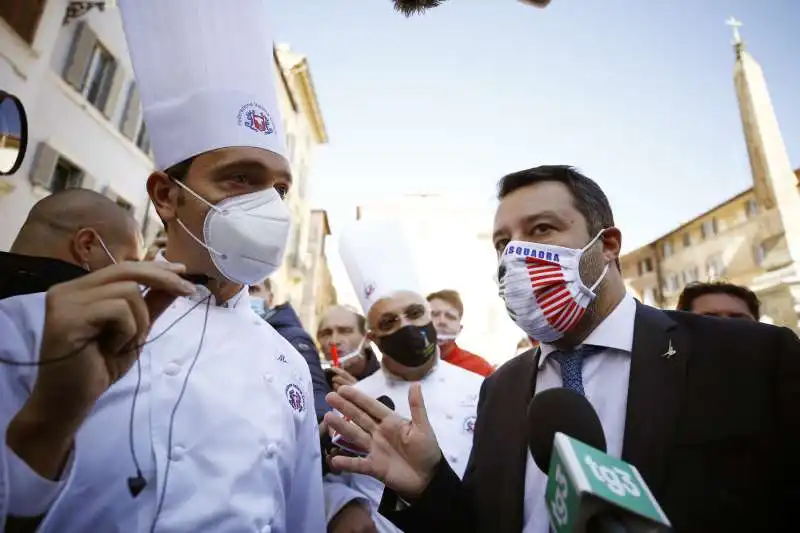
{"x":172,"y":392}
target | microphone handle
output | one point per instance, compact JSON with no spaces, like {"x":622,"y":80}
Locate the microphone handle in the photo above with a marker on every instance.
{"x":604,"y":523}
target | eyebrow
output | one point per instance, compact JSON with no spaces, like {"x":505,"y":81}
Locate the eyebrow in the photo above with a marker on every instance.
{"x":253,"y":164}
{"x":530,"y":219}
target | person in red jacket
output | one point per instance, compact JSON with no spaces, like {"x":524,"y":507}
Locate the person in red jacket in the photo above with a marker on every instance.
{"x":447,"y":310}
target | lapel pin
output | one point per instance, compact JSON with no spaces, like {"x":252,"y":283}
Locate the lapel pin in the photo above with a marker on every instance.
{"x":670,"y":351}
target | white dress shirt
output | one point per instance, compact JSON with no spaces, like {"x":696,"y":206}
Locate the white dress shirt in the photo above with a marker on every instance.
{"x":244,"y":449}
{"x":451,"y":400}
{"x":605,"y":382}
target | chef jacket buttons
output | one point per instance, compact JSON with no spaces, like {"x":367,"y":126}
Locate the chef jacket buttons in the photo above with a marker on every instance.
{"x":172,"y":369}
{"x":177,"y":453}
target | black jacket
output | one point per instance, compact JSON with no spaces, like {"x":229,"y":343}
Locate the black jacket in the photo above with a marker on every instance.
{"x":24,"y":274}
{"x":286,"y":322}
{"x":714,"y":430}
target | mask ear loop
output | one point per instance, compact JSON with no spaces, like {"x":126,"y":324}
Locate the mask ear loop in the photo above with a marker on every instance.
{"x":211,"y":206}
{"x":605,"y":268}
{"x":105,"y":249}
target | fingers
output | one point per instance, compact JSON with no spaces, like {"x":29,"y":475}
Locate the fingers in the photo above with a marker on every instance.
{"x":125,"y":290}
{"x":158,"y":275}
{"x":356,"y":465}
{"x":351,"y":411}
{"x":367,"y":404}
{"x":116,"y":322}
{"x":351,"y":432}
{"x":157,"y":301}
{"x":340,"y":381}
{"x":419,"y":415}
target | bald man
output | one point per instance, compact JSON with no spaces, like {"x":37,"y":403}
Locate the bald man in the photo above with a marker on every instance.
{"x":66,"y":235}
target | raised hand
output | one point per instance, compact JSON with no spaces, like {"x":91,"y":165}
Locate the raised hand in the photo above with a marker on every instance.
{"x":93,"y":329}
{"x":403,"y":454}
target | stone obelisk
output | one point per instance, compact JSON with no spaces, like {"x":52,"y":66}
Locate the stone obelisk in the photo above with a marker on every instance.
{"x":774,"y":182}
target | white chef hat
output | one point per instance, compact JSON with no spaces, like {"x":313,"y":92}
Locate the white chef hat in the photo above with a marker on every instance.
{"x":378,"y":260}
{"x":204,"y":72}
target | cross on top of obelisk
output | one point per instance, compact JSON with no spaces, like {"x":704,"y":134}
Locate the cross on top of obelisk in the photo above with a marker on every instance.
{"x":735,"y":25}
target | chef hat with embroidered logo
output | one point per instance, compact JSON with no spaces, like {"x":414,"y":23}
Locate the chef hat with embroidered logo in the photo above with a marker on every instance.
{"x":204,"y":74}
{"x":378,"y":260}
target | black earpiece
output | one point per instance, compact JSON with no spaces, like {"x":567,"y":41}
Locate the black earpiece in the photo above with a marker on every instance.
{"x":136,"y":484}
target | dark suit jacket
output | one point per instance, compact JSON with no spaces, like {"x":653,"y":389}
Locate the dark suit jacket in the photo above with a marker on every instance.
{"x":24,"y":274}
{"x":714,"y":431}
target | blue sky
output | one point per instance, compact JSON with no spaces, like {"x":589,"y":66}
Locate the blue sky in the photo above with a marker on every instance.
{"x":638,"y":94}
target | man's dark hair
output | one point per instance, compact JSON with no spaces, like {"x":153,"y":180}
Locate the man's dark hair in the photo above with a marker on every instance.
{"x":589,"y":198}
{"x":179,"y":171}
{"x":694,"y":291}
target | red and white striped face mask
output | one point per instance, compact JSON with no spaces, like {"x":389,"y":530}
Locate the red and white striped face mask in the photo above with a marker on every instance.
{"x":542,"y":287}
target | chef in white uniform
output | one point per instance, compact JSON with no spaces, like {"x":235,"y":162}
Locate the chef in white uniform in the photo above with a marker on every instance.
{"x":379,"y":264}
{"x":213,"y":428}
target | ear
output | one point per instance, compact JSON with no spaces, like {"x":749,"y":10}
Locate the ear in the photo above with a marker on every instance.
{"x":82,"y":243}
{"x":460,"y":328}
{"x":164,"y":195}
{"x":612,"y":244}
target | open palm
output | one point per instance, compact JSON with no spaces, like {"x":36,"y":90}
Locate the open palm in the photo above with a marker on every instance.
{"x":403,"y":454}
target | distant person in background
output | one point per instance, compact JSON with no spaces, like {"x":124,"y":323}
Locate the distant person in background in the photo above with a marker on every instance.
{"x":66,"y":235}
{"x":524,"y":345}
{"x":447,"y":310}
{"x":345,"y":329}
{"x":285,"y":321}
{"x":720,"y":299}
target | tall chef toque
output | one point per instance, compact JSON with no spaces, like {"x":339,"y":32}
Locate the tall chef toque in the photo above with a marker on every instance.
{"x":204,"y":72}
{"x":378,"y":260}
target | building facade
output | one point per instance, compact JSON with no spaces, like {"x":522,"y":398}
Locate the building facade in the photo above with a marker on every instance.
{"x":71,"y":70}
{"x":318,"y":290}
{"x":452,"y":246}
{"x":85,"y":129}
{"x":752,"y":239}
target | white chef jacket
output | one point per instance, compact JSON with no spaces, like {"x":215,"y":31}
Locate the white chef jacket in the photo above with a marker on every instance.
{"x":244,"y":456}
{"x":451,"y":400}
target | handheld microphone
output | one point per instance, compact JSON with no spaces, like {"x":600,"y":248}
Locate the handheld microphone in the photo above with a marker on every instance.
{"x":588,"y":491}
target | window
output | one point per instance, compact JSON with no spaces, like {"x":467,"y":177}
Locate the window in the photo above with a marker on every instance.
{"x":690,"y":275}
{"x":751,"y":208}
{"x":65,"y":176}
{"x":100,"y":76}
{"x":708,"y":229}
{"x":673,"y":283}
{"x":645,"y":266}
{"x":687,"y":240}
{"x":143,"y":139}
{"x":649,"y":297}
{"x":54,"y":172}
{"x":23,"y":16}
{"x":93,"y":71}
{"x":760,"y":254}
{"x":666,"y":248}
{"x":714,"y":267}
{"x":124,"y":204}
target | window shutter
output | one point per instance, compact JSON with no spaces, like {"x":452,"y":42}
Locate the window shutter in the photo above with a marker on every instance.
{"x":133,"y":114}
{"x":44,"y":163}
{"x":114,"y":90}
{"x":80,"y":56}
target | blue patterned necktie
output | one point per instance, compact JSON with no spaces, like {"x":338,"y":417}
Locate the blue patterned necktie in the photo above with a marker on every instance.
{"x":571,"y":363}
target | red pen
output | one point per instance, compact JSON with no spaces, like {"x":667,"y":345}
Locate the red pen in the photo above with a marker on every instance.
{"x":335,"y":356}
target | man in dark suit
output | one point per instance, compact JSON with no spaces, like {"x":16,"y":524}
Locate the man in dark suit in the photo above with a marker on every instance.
{"x":705,"y":408}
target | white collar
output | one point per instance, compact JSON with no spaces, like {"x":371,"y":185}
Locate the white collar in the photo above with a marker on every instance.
{"x":615,"y":332}
{"x":237,"y":301}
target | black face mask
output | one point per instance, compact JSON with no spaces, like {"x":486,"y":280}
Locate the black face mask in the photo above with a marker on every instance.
{"x":410,"y":346}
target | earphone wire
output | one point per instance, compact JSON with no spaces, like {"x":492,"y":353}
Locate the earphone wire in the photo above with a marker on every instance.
{"x":131,"y":445}
{"x":172,"y":417}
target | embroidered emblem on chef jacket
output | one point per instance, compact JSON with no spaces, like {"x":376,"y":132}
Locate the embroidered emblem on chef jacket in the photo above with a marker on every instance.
{"x":469,"y":424}
{"x":297,"y":400}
